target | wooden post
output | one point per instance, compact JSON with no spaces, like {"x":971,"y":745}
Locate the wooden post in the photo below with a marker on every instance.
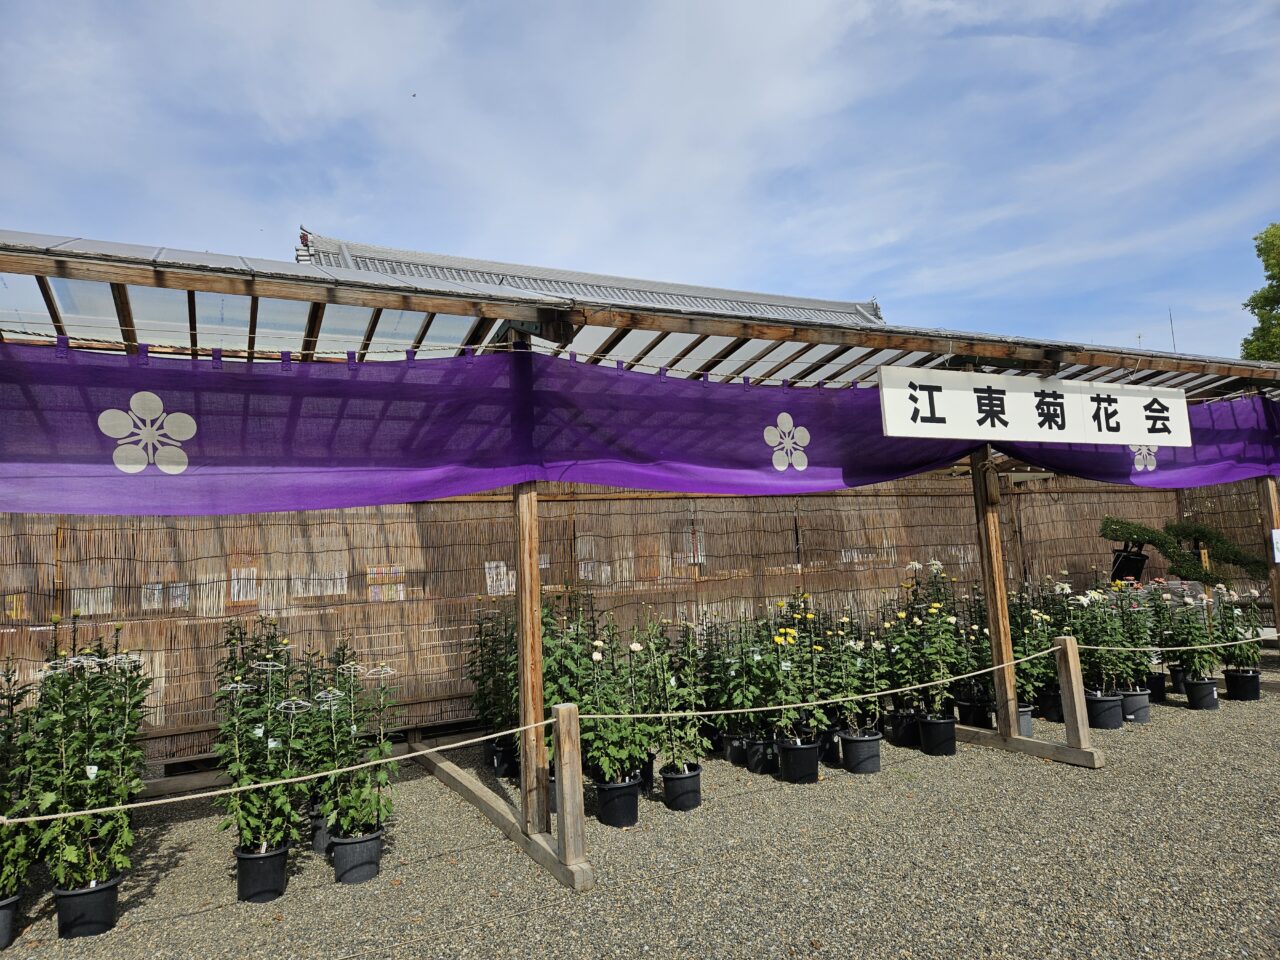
{"x":986,"y":499}
{"x":534,"y":775}
{"x":572,"y":845}
{"x":1071,"y":687}
{"x":1269,"y":500}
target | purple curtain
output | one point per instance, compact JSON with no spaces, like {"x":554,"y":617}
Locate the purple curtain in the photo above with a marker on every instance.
{"x":111,"y":434}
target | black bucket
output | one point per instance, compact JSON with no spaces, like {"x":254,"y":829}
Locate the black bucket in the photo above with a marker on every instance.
{"x":762,"y":755}
{"x":1136,"y":705}
{"x":798,"y":762}
{"x":9,"y":919}
{"x":1051,"y":707}
{"x":357,"y":859}
{"x":1243,"y":684}
{"x":682,"y":790}
{"x":1024,"y":721}
{"x":618,"y":804}
{"x":320,"y":838}
{"x":506,"y":757}
{"x":735,"y":751}
{"x":89,"y":911}
{"x":1202,"y":694}
{"x":261,"y":877}
{"x":903,"y":729}
{"x":1105,"y":713}
{"x":860,"y":753}
{"x":1176,"y":677}
{"x":1155,"y":683}
{"x":938,"y":736}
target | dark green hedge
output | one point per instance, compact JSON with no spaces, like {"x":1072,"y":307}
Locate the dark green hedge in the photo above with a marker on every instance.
{"x":1184,"y":562}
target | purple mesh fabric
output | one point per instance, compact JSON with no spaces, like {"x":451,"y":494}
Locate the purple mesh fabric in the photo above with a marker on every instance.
{"x":210,"y":438}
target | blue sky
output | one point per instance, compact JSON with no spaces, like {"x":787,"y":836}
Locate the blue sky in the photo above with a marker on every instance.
{"x":1064,"y":169}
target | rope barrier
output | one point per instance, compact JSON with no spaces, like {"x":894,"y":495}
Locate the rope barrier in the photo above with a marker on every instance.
{"x":227,"y":791}
{"x":812,"y":703}
{"x":1196,"y":646}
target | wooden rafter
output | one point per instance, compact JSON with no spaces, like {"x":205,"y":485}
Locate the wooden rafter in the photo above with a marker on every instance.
{"x":253,"y":324}
{"x":369,"y":331}
{"x":310,"y":336}
{"x":611,"y":341}
{"x":724,"y":353}
{"x":124,"y":313}
{"x":422,"y":332}
{"x":192,"y":329}
{"x":51,"y":304}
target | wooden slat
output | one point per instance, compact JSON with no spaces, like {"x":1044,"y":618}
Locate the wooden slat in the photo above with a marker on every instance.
{"x":986,"y":499}
{"x":1090,"y":759}
{"x":192,"y":328}
{"x":253,"y":325}
{"x":311,"y":335}
{"x":51,"y":304}
{"x":124,"y":313}
{"x":534,"y":774}
{"x":422,"y":331}
{"x":369,"y":331}
{"x":611,"y":341}
{"x":570,"y":818}
{"x":724,"y":353}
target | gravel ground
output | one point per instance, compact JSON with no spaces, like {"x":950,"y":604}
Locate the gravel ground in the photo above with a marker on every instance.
{"x":1173,"y":850}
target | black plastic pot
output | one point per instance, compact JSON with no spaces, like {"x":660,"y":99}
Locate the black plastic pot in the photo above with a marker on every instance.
{"x":357,"y":859}
{"x":506,"y":757}
{"x":1135,"y":705}
{"x":938,"y":736}
{"x":860,"y":753}
{"x":646,"y":775}
{"x":1176,"y":677}
{"x":618,"y":804}
{"x":798,"y":762}
{"x":1155,"y":683}
{"x":320,"y":838}
{"x":682,"y":790}
{"x":976,"y":714}
{"x":829,"y":747}
{"x":735,"y":751}
{"x":89,"y":911}
{"x":1201,"y":694}
{"x":902,"y":728}
{"x":1243,"y":684}
{"x":1105,"y":713}
{"x":1051,"y":707}
{"x":762,"y":755}
{"x":1024,"y":720}
{"x":261,"y":877}
{"x":9,"y":919}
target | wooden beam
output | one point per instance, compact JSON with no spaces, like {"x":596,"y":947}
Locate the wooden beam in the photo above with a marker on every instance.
{"x":422,"y":331}
{"x":51,"y":304}
{"x":369,"y":331}
{"x":1071,"y":691}
{"x":124,"y":313}
{"x":539,"y":846}
{"x":1269,"y":501}
{"x":191,"y":324}
{"x":253,"y":325}
{"x":246,"y":284}
{"x":1092,"y":759}
{"x":611,"y":341}
{"x":986,"y":499}
{"x":534,"y":774}
{"x":570,"y":819}
{"x":311,"y":335}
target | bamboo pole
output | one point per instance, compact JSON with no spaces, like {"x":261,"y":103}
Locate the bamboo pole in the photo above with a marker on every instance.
{"x":986,"y":499}
{"x":534,"y":775}
{"x":1269,"y":500}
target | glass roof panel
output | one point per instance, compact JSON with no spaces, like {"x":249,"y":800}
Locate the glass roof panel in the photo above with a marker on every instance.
{"x":727,"y":366}
{"x":222,"y":320}
{"x":342,"y":328}
{"x":772,"y":359}
{"x":665,"y":352}
{"x":804,"y":362}
{"x":589,"y":340}
{"x":22,"y":308}
{"x":395,"y":334}
{"x":160,"y":316}
{"x":446,"y":333}
{"x":281,"y":324}
{"x":87,"y":309}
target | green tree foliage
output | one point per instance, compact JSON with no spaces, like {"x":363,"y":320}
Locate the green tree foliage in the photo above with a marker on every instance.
{"x":1263,"y":341}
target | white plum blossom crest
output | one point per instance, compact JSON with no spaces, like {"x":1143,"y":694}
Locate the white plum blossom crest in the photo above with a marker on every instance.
{"x":1144,"y":457}
{"x":788,"y":442}
{"x":145,"y":434}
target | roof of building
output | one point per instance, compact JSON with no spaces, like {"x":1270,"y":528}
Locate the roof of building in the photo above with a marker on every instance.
{"x":620,"y":292}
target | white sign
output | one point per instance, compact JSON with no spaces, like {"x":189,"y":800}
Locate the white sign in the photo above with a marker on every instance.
{"x":1275,"y":545}
{"x":947,"y":404}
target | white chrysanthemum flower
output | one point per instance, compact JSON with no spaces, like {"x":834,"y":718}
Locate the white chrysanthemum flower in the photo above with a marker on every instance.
{"x":915,"y":566}
{"x":935,"y":566}
{"x":597,"y":656}
{"x":635,"y":647}
{"x":91,"y":772}
{"x":951,"y":620}
{"x":597,"y":643}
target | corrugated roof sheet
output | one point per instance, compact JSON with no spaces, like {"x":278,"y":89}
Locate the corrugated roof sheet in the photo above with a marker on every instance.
{"x":621,"y":292}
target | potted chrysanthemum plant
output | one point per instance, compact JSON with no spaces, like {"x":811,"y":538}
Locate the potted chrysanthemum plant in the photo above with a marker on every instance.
{"x":1238,"y":620}
{"x":679,"y":689}
{"x":1095,"y":622}
{"x":859,"y":674}
{"x":84,"y":755}
{"x":936,"y":643}
{"x":1193,"y":631}
{"x":17,"y":841}
{"x":258,"y":744}
{"x":357,"y":803}
{"x":614,"y":747}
